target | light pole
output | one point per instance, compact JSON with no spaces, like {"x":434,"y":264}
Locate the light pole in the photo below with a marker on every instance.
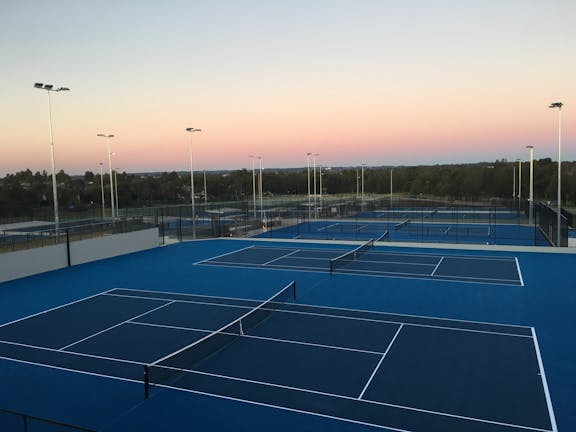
{"x":102,"y":190}
{"x":261,"y":191}
{"x":253,"y":183}
{"x":519,"y":184}
{"x":308,"y":164}
{"x":531,"y":199}
{"x":362,"y":199}
{"x":192,"y":130}
{"x":112,"y":201}
{"x":315,"y":189}
{"x":116,"y":190}
{"x":559,"y":105}
{"x":391,"y":174}
{"x":205,"y":193}
{"x":514,"y":185}
{"x":320,"y":171}
{"x":50,"y":88}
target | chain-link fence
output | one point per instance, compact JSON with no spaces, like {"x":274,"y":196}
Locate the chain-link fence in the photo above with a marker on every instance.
{"x":402,"y":219}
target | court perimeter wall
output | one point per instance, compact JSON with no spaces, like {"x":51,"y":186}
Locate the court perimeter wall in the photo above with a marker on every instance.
{"x":14,"y":265}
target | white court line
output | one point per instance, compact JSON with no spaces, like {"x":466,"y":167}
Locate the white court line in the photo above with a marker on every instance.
{"x":519,"y":272}
{"x":544,"y":382}
{"x":282,"y":257}
{"x":437,"y":265}
{"x":75,"y":370}
{"x":221,"y":329}
{"x":57,"y":307}
{"x":464,"y":279}
{"x":380,"y":362}
{"x":114,"y":326}
{"x":76,"y":353}
{"x":353,"y":318}
{"x":394,"y":262}
{"x":377,"y":252}
{"x":327,"y":226}
{"x":269,"y":385}
{"x":269,"y":267}
{"x":366,"y":273}
{"x":337,"y":396}
{"x":288,"y":341}
{"x":332,"y":307}
{"x":224,"y":254}
{"x":204,"y":394}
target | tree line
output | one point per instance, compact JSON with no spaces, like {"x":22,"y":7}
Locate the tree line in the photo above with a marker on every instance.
{"x":23,"y":192}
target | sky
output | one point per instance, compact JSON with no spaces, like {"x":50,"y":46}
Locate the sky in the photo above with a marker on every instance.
{"x":379,"y":82}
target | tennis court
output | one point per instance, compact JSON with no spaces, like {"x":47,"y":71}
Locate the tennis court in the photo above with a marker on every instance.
{"x":213,"y":335}
{"x":413,"y":230}
{"x":368,"y":260}
{"x":401,"y":372}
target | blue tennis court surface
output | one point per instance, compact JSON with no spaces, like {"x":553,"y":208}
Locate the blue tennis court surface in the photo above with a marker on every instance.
{"x":243,"y":335}
{"x":409,"y":230}
{"x":500,"y":270}
{"x":381,"y":369}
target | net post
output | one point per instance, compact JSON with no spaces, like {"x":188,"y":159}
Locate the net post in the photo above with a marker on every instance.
{"x":331,"y":267}
{"x":294,"y":290}
{"x":146,"y":382}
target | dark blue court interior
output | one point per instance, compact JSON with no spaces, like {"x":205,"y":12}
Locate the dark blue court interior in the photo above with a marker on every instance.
{"x":397,"y":339}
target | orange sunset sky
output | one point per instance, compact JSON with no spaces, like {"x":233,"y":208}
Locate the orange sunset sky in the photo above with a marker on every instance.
{"x":370,"y":81}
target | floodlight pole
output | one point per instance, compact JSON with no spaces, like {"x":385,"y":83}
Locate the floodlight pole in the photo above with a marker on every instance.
{"x":112,"y":200}
{"x":531,"y":199}
{"x":514,"y":185}
{"x":559,"y":105}
{"x":116,"y":190}
{"x":253,"y":183}
{"x":519,"y":184}
{"x":309,"y":203}
{"x":205,"y":193}
{"x":192,"y":130}
{"x":102,"y":190}
{"x":50,"y":88}
{"x":391,"y":190}
{"x":315,"y":188}
{"x":261,"y":193}
{"x":362,"y":196}
{"x":320,"y":171}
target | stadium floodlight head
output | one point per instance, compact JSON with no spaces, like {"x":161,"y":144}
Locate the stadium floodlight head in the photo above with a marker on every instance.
{"x":50,"y":87}
{"x":558,"y":105}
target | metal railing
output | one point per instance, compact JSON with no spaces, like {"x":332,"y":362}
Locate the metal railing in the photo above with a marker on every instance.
{"x":46,"y":235}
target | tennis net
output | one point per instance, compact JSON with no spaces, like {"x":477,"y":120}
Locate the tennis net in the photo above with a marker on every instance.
{"x":384,"y":237}
{"x":170,"y":368}
{"x":353,"y":255}
{"x":401,"y":224}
